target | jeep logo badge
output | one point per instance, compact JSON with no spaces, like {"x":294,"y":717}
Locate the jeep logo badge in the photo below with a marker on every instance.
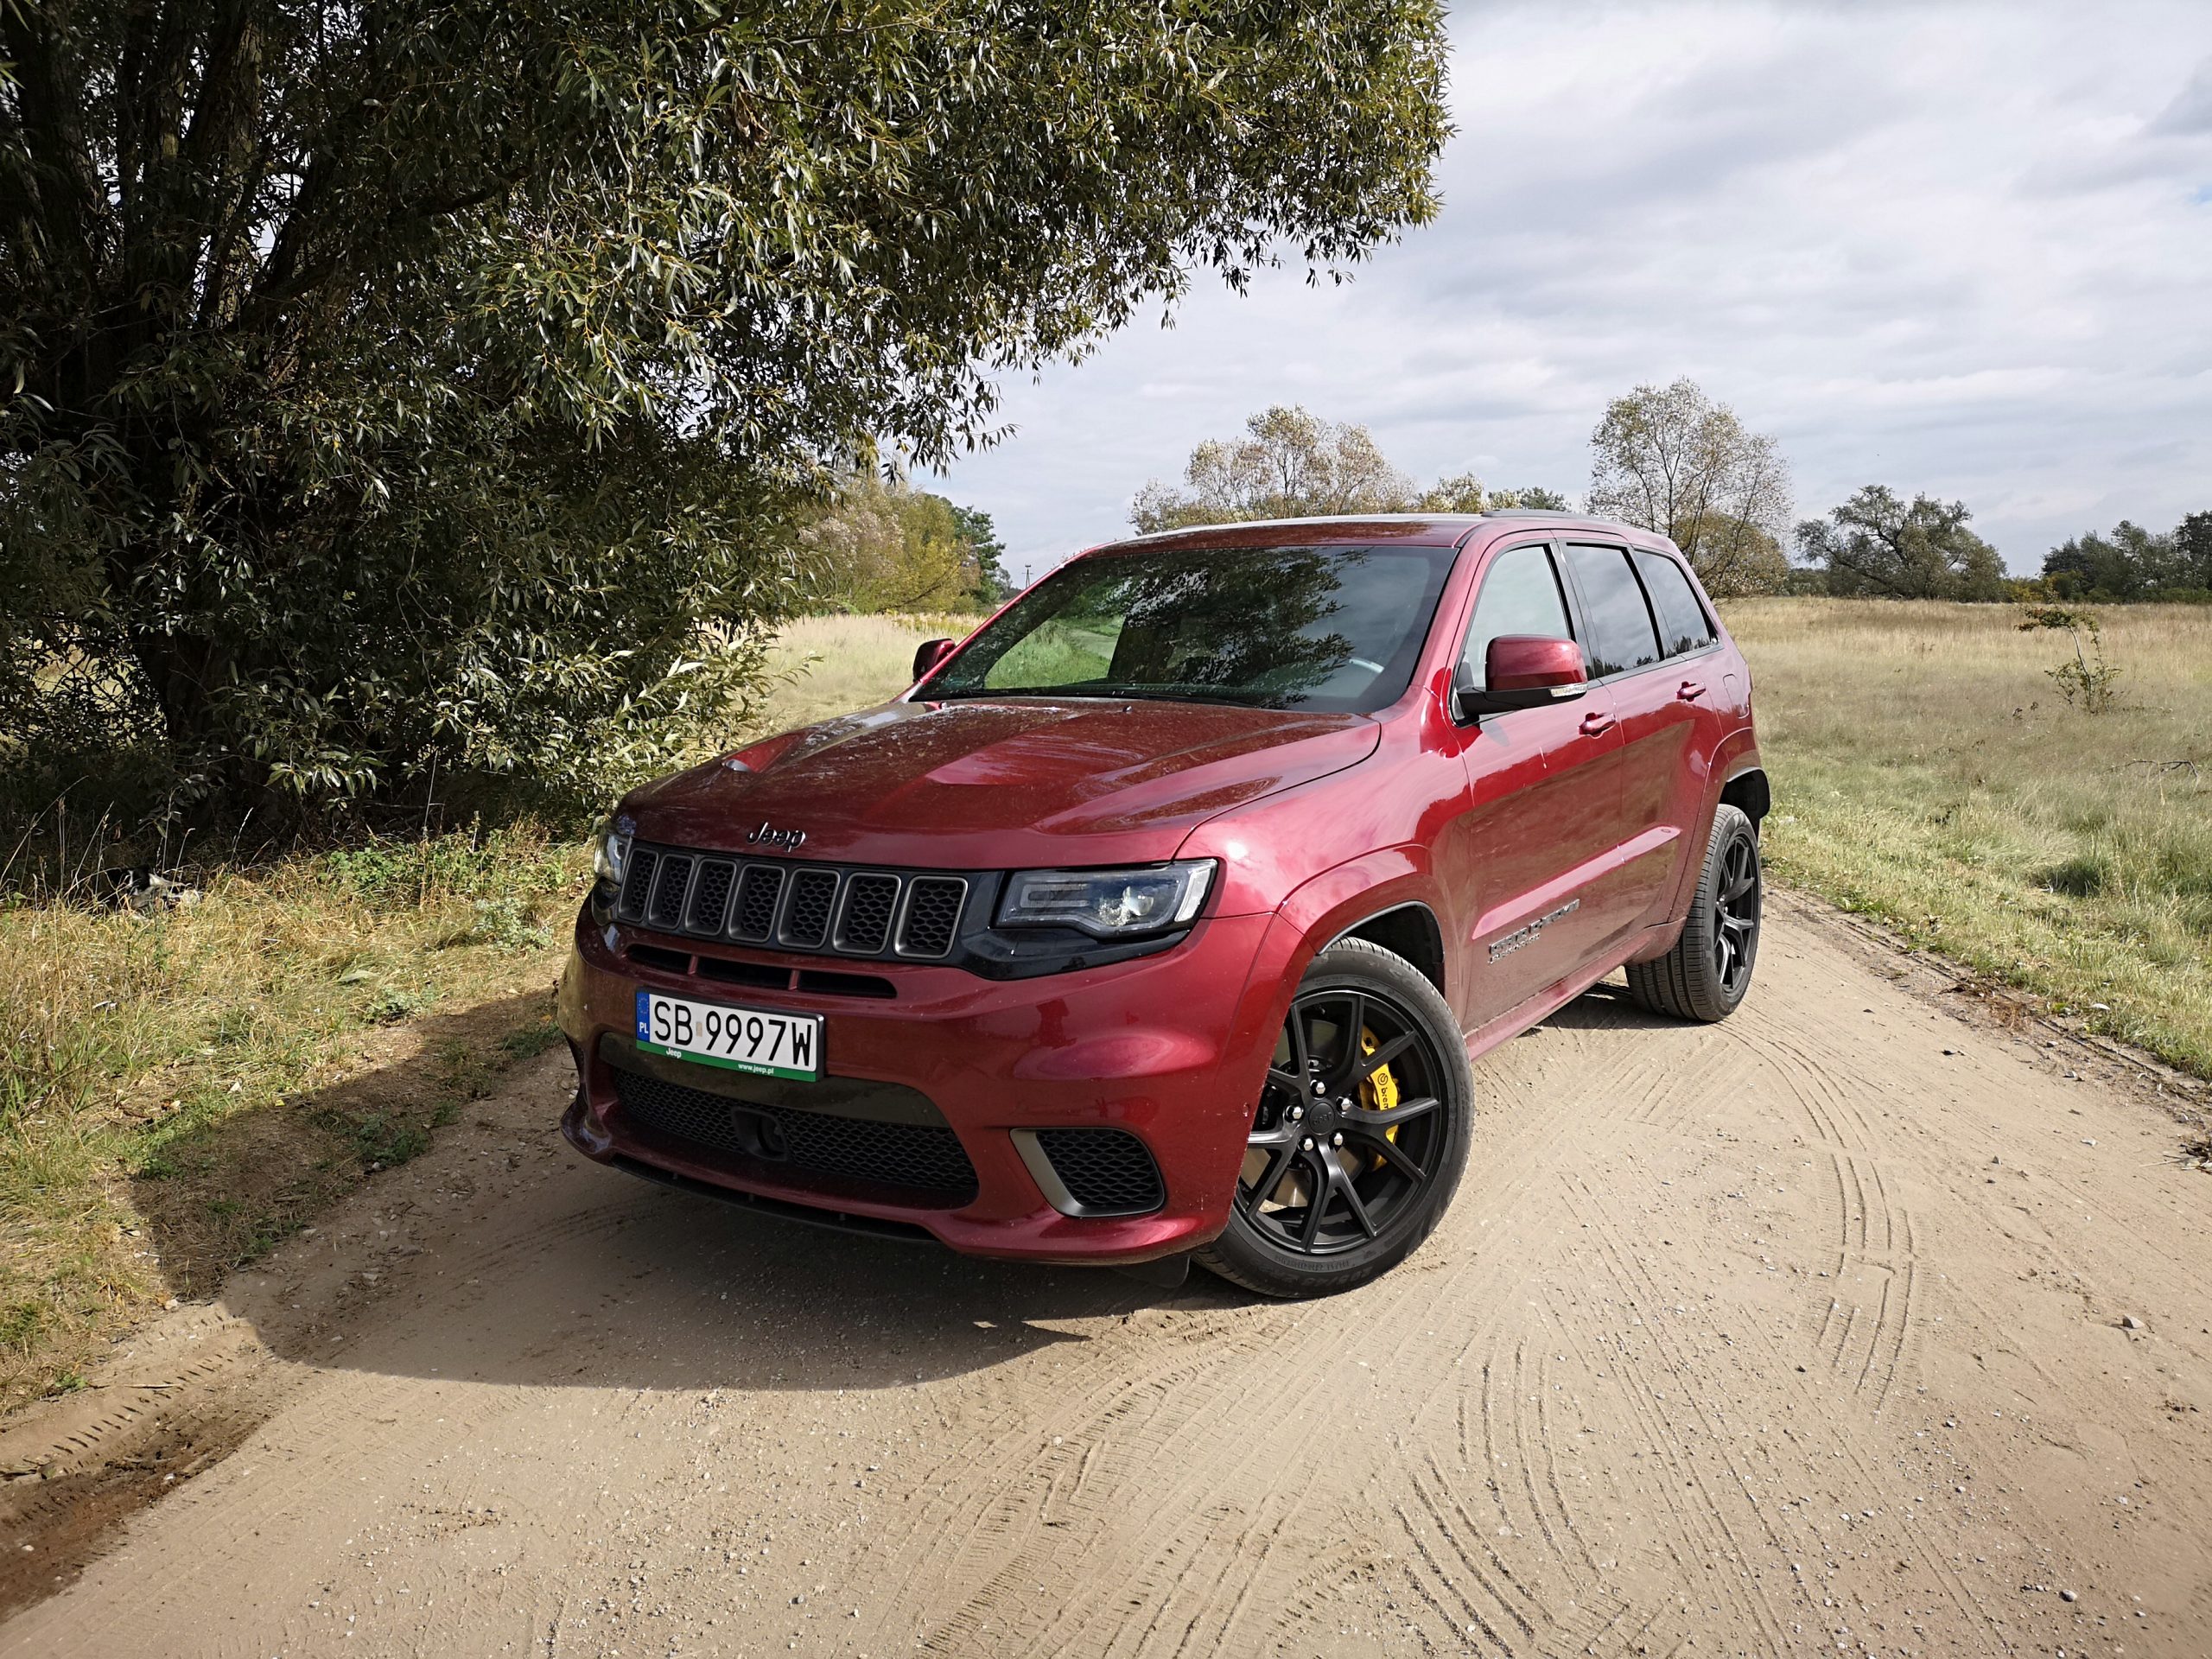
{"x":768,"y":836}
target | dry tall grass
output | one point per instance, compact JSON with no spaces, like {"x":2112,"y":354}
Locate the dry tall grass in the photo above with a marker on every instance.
{"x":1927,"y":770}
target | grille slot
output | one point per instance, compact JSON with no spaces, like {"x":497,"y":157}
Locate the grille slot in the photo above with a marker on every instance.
{"x":710,"y":898}
{"x":667,"y":909}
{"x":1107,"y":1172}
{"x":756,"y":902}
{"x":864,"y":920}
{"x":638,"y":884}
{"x":933,"y":904}
{"x":806,"y":913}
{"x":926,"y":1159}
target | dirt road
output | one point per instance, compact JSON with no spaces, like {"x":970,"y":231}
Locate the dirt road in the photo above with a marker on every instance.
{"x":1803,"y":1333}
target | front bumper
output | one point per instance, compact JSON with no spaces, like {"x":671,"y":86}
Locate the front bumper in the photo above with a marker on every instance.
{"x":1172,"y":1048}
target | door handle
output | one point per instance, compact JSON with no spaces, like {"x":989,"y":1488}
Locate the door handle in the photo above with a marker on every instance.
{"x":1596,"y":723}
{"x":1691,"y":691}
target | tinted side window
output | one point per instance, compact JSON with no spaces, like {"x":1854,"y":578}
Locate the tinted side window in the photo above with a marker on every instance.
{"x":1682,"y":624}
{"x":1520,"y":595}
{"x":1621,"y":636}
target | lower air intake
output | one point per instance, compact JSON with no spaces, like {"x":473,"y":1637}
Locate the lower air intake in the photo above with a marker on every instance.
{"x":927,"y":1160}
{"x":1107,"y":1172}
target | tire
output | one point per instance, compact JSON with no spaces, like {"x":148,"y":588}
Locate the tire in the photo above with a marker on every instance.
{"x":1393,"y":1129}
{"x":1709,"y":969}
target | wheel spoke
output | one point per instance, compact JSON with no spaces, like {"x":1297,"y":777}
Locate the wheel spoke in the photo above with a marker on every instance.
{"x":1391,"y":1151}
{"x":1278,"y":1167}
{"x":1404,"y":1112}
{"x":1741,"y":887}
{"x":1344,"y":1073}
{"x":1317,"y":1207}
{"x":1340,"y":1183}
{"x":1371,"y":1064}
{"x":1302,"y":1060}
{"x":1283,"y":1079}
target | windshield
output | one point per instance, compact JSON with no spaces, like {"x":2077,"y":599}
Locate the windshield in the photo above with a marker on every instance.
{"x":1335,"y":629}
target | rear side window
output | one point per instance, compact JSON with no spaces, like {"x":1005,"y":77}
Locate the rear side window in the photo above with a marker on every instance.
{"x":1621,"y":635}
{"x":1520,"y":595}
{"x":1682,"y":623}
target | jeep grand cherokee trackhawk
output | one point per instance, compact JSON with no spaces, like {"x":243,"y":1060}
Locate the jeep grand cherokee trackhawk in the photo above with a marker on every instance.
{"x":1164,"y":914}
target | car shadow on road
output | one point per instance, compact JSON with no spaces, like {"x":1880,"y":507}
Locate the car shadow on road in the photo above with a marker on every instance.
{"x":1606,"y":1006}
{"x":585,"y":1277}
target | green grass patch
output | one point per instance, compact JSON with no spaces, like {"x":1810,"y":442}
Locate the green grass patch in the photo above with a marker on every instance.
{"x":1925,"y":772}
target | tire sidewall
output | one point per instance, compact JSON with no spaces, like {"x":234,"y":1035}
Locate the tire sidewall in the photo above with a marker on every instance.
{"x":1729,"y":825}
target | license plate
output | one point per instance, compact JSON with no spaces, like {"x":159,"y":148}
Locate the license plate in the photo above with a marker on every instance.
{"x":744,"y":1039}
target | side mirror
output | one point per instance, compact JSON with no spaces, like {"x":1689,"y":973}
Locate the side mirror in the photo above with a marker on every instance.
{"x":1524,"y":670}
{"x":930,"y":653}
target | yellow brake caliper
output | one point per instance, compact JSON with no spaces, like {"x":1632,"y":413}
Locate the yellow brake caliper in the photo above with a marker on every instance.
{"x":1380,"y":1092}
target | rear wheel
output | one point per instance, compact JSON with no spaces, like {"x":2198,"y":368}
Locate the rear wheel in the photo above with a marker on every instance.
{"x":1360,"y":1133}
{"x":1706,"y":974}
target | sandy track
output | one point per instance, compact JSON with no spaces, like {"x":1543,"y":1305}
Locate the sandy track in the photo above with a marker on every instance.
{"x":1798,"y":1334}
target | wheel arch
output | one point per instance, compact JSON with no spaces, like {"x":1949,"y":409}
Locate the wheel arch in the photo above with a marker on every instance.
{"x":1409,"y":930}
{"x":1749,"y":792}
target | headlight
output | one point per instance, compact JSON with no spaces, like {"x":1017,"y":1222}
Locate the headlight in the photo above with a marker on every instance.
{"x":610,"y":853}
{"x":1107,"y":903}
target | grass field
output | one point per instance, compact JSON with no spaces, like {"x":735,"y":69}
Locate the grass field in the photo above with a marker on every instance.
{"x":1927,"y":770}
{"x":179,"y":1091}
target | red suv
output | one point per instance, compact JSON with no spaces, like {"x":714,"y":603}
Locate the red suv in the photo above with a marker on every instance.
{"x":1165,"y":913}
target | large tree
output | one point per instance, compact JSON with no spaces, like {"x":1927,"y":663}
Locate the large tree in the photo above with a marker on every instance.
{"x":1880,"y":544}
{"x":1291,"y":464}
{"x":393,"y":381}
{"x":1670,"y":460}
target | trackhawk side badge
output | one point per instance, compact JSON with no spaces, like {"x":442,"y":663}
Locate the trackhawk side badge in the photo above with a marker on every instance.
{"x":768,"y":836}
{"x":1520,"y":936}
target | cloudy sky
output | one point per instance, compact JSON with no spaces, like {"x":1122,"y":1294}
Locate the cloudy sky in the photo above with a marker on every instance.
{"x":1952,"y":247}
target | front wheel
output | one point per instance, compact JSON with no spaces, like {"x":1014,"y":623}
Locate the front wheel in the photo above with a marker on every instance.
{"x":1360,"y":1133}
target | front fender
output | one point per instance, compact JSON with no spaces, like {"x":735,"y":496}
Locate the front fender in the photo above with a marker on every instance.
{"x":1317,"y":911}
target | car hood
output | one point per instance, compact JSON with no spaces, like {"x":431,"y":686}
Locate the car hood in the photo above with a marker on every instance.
{"x":975,"y":784}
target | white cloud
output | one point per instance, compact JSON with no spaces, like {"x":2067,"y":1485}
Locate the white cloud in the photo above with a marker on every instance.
{"x":1961,"y":248}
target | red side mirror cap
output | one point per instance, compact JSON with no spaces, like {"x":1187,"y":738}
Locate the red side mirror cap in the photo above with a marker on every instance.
{"x":930,"y":653}
{"x":1523,"y":670}
{"x":1532,"y":662}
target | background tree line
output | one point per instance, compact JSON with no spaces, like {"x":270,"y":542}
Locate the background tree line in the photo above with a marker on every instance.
{"x":1668,"y":459}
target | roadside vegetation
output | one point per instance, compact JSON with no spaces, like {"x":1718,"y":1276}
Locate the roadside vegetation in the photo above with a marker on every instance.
{"x":1942,"y":767}
{"x":188,"y":1076}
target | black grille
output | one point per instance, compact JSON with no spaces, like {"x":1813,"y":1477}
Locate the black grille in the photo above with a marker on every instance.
{"x":806,"y":913}
{"x":1108,"y":1170}
{"x":668,"y":891}
{"x":864,"y":924}
{"x":927,"y":1159}
{"x":794,"y":906}
{"x":932,"y":913}
{"x":756,"y":901}
{"x":710,"y":897}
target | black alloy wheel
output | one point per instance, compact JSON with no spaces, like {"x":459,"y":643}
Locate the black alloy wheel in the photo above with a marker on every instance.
{"x":1705,"y":973}
{"x":1736,"y":917}
{"x":1359,"y":1134}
